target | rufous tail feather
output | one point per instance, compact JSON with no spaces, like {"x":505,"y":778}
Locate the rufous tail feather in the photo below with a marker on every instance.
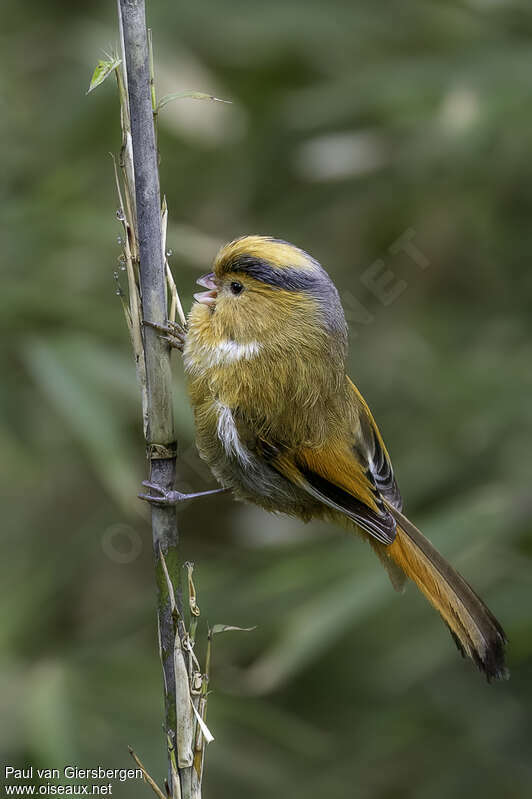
{"x":474,"y":628}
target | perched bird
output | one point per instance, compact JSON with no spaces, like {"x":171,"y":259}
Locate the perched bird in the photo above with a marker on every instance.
{"x":281,"y":425}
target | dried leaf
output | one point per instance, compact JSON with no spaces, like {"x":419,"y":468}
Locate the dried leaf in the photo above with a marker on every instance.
{"x":207,"y":734}
{"x":194,"y":609}
{"x":183,"y":704}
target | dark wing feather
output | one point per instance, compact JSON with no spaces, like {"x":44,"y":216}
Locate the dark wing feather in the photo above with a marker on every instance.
{"x":371,"y":448}
{"x":380,"y":524}
{"x":339,"y":481}
{"x":380,"y":465}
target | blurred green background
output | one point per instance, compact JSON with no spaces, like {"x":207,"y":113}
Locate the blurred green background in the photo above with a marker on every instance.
{"x":351,"y":123}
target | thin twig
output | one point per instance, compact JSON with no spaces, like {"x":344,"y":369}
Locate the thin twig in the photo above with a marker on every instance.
{"x":151,"y":782}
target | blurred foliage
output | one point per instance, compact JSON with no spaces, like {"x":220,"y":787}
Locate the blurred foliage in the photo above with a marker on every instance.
{"x":351,"y":123}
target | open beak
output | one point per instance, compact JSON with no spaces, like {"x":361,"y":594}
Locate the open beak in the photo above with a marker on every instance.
{"x":206,"y":297}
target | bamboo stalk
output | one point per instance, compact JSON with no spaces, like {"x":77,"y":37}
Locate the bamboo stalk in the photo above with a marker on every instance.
{"x":159,"y":423}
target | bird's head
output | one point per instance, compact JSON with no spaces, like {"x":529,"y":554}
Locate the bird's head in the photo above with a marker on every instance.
{"x":267,"y":293}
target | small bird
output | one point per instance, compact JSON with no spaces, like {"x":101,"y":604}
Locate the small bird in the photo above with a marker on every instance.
{"x":282,"y":426}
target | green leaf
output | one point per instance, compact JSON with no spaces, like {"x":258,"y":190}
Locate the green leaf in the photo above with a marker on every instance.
{"x":313,"y":627}
{"x":228,"y":628}
{"x":103,"y":69}
{"x":70,"y":374}
{"x":191,"y":95}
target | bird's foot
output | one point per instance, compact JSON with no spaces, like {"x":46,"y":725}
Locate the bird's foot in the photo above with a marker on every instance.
{"x":164,"y":496}
{"x":172,"y":332}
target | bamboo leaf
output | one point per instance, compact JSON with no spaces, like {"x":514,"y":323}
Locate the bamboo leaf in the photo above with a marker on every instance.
{"x":102,"y":71}
{"x":313,"y":627}
{"x":191,"y":95}
{"x":69,"y":374}
{"x":228,"y":628}
{"x":207,"y":734}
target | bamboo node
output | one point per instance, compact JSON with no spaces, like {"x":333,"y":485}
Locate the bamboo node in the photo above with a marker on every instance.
{"x":161,"y":451}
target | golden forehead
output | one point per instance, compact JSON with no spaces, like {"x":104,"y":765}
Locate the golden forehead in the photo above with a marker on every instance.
{"x":279,"y":254}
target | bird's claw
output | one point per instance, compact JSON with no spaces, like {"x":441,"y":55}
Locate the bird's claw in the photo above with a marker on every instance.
{"x":172,"y":332}
{"x":165,"y":496}
{"x":161,"y":496}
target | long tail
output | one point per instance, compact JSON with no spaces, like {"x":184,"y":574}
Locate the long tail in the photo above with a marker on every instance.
{"x":475,"y":629}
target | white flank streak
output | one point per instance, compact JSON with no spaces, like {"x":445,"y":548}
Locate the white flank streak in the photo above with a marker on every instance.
{"x":228,"y":435}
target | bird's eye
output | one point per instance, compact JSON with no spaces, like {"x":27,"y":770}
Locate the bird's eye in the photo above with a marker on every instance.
{"x":236,"y":287}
